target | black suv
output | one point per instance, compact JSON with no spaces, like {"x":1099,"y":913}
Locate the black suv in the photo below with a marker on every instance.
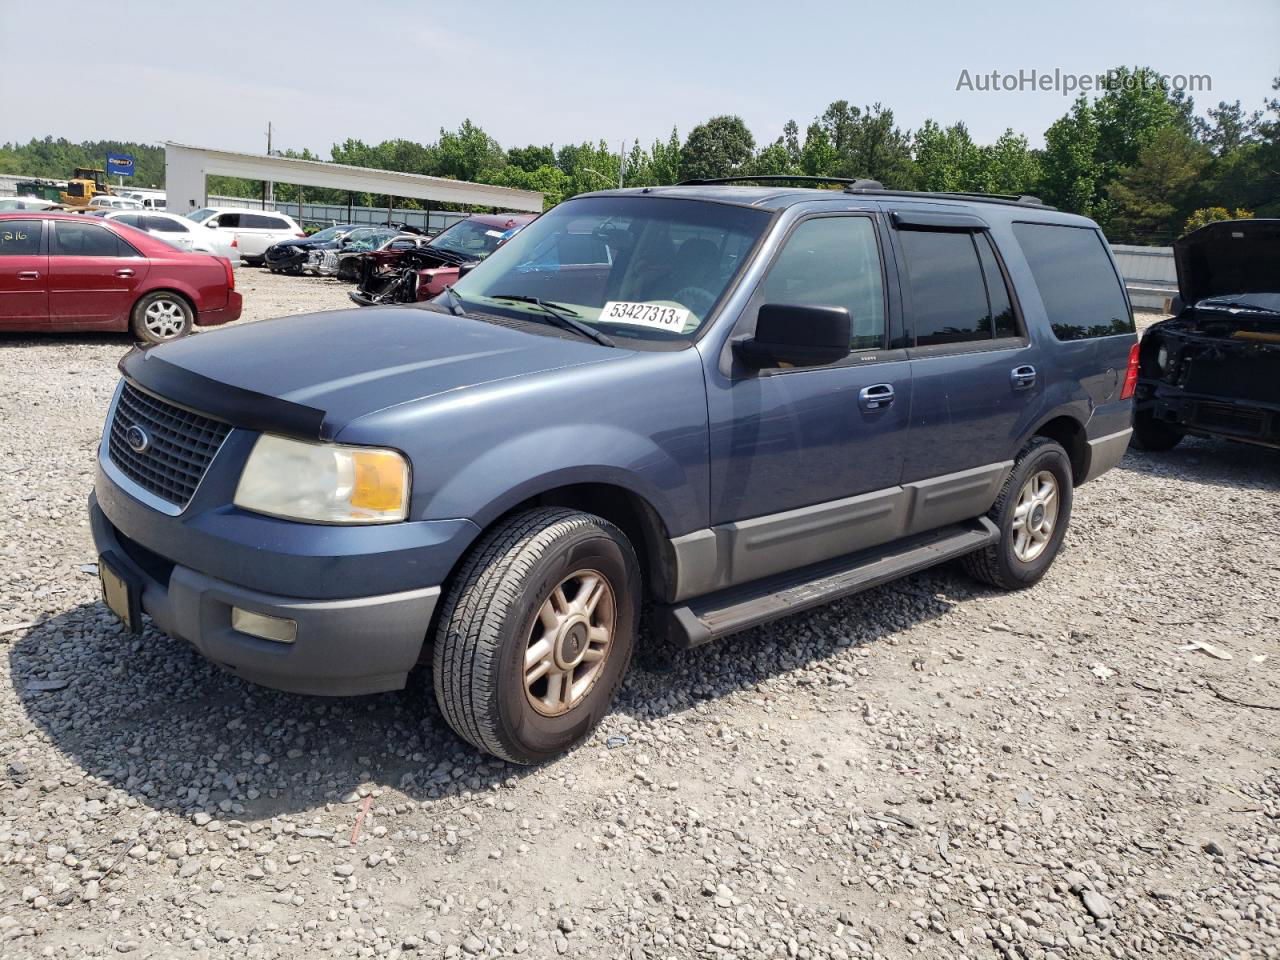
{"x":1213,"y":369}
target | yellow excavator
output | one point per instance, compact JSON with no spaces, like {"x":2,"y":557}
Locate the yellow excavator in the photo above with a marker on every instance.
{"x":84,"y":186}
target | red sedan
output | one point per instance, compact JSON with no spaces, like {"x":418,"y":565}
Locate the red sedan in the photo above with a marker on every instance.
{"x":65,"y":271}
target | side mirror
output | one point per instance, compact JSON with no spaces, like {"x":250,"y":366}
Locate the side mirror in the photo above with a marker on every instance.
{"x":797,"y":335}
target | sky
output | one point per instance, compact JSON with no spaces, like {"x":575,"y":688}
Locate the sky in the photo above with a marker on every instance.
{"x":566,"y":71}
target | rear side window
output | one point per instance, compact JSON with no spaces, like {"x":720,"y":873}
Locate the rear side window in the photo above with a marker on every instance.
{"x":163,"y":225}
{"x":1081,"y":293}
{"x":86,"y":240}
{"x":997,"y":291}
{"x":257,"y":221}
{"x":833,"y":262}
{"x":19,"y":238}
{"x":948,"y":291}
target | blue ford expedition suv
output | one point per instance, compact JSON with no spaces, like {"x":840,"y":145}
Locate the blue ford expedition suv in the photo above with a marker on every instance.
{"x":729,"y":402}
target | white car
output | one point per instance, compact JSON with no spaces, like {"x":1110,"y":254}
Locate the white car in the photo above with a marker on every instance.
{"x":149,"y":201}
{"x":254,"y":230}
{"x":115,"y":203}
{"x":26,"y":203}
{"x":181,"y":232}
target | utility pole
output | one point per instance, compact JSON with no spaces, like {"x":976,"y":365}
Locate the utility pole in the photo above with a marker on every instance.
{"x":271,"y":187}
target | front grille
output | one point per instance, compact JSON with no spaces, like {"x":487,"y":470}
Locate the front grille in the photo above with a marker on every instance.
{"x":180,"y":446}
{"x":1241,"y":421}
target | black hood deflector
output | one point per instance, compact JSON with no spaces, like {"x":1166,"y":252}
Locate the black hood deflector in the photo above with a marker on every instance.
{"x":222,"y":401}
{"x":1228,"y":257}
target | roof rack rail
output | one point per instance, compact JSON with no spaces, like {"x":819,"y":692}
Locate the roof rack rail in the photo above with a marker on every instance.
{"x":866,"y":185}
{"x":847,"y":182}
{"x":1024,"y":199}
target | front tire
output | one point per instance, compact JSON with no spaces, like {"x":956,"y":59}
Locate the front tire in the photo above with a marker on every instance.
{"x":536,"y":633}
{"x":161,"y":316}
{"x":1032,"y":513}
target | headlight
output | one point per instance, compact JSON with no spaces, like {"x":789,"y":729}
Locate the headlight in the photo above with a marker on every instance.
{"x":324,"y":482}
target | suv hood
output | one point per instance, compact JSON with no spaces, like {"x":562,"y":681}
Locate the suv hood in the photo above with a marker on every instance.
{"x":1228,"y":257}
{"x":311,"y":375}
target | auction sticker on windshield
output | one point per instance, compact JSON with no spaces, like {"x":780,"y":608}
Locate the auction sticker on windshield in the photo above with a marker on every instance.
{"x":652,"y":315}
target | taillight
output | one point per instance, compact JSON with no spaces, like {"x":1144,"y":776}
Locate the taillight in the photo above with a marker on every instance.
{"x":1130,"y":375}
{"x":302,"y":235}
{"x":231,"y":274}
{"x":235,"y":244}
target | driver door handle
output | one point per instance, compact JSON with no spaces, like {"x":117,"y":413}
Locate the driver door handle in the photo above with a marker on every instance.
{"x":875,"y":396}
{"x":28,"y":274}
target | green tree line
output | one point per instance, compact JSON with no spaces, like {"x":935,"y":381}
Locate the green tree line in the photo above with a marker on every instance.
{"x":1137,"y":158}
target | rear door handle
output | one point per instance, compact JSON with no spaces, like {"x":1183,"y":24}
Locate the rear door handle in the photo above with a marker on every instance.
{"x":124,"y":272}
{"x":28,"y":274}
{"x":875,"y":396}
{"x":1022,"y":377}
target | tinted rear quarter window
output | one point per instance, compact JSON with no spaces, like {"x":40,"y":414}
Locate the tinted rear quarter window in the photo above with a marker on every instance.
{"x":257,"y":221}
{"x":19,"y":238}
{"x":1081,"y":292}
{"x":164,"y":225}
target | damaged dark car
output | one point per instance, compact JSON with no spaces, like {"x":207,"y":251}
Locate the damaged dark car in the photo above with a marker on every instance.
{"x":423,"y":272}
{"x":290,"y":256}
{"x":1213,"y":369}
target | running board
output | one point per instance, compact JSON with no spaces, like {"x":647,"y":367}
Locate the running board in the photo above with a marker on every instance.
{"x":719,"y":614}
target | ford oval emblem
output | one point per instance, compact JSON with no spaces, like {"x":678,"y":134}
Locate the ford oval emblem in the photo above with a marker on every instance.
{"x":137,"y":439}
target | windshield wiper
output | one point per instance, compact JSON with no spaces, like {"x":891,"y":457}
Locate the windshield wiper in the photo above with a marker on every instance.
{"x":455,"y":301}
{"x":561,"y":316}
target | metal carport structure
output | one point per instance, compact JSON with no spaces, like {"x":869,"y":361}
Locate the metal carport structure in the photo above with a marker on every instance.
{"x":186,"y":168}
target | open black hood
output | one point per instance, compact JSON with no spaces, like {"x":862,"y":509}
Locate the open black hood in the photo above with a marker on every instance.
{"x":1228,"y":257}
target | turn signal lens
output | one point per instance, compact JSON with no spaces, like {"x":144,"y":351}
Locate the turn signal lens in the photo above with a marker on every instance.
{"x":379,"y":480}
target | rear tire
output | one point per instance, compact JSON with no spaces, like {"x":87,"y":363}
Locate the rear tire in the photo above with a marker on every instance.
{"x":1155,"y":436}
{"x":536,"y":633}
{"x":161,"y":316}
{"x":1032,"y":512}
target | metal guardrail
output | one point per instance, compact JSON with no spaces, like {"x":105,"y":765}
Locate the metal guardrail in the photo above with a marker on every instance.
{"x":328,"y":214}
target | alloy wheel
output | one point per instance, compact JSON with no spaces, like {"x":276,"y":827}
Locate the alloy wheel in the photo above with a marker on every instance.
{"x":1036,"y":515}
{"x":164,"y":319}
{"x":569,"y":642}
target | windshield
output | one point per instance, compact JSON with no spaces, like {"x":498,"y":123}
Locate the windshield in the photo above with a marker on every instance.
{"x":201,"y":215}
{"x":368,"y":238}
{"x":645,"y":267}
{"x":469,"y":237}
{"x":328,"y":233}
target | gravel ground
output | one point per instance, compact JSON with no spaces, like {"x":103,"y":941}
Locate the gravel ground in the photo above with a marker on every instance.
{"x":931,"y":769}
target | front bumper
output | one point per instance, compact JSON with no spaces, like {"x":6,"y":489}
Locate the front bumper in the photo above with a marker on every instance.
{"x":290,"y":258}
{"x":343,"y":647}
{"x":1211,"y":415}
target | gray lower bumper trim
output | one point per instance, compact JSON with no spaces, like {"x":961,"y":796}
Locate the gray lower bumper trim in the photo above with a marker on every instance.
{"x":343,"y":647}
{"x":1106,"y":452}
